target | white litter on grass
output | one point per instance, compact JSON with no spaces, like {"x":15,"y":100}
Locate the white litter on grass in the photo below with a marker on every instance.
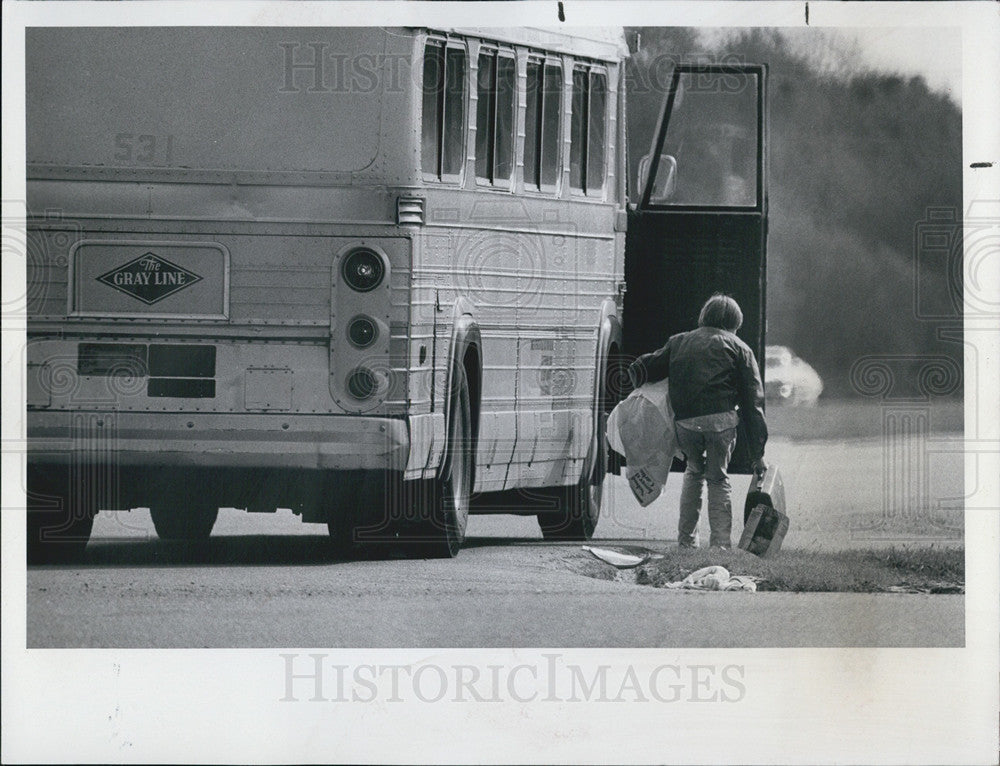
{"x":621,"y":560}
{"x":715,"y":578}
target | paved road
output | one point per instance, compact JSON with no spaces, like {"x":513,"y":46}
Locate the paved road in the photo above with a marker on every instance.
{"x":271,"y":590}
{"x":266,"y":580}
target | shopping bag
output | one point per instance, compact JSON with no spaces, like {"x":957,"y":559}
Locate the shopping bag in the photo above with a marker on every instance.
{"x":642,"y":429}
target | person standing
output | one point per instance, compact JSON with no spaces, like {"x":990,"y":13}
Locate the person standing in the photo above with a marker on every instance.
{"x":712,"y":373}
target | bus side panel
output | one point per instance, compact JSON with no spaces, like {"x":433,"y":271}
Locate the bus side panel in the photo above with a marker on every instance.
{"x":464,"y":262}
{"x":536,"y":288}
{"x":557,"y":353}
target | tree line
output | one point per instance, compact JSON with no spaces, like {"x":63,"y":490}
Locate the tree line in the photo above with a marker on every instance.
{"x":857,"y":164}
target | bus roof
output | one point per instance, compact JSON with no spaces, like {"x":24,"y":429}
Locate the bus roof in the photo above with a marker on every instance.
{"x":604,"y":43}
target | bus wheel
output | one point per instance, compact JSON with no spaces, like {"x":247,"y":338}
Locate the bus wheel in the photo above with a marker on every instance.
{"x":186,"y":519}
{"x":57,"y":528}
{"x":440,"y":530}
{"x":577,"y":508}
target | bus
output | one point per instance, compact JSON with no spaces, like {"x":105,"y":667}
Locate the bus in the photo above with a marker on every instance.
{"x":373,"y":275}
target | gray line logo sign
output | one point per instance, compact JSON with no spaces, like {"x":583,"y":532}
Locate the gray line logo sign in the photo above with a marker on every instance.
{"x":149,"y":278}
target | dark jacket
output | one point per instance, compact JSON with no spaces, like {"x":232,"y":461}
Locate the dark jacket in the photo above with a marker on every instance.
{"x":710,"y":370}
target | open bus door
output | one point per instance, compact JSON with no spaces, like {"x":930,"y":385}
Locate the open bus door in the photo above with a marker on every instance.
{"x":700,"y":222}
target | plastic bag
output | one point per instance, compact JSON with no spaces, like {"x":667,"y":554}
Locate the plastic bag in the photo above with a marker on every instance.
{"x":642,"y":429}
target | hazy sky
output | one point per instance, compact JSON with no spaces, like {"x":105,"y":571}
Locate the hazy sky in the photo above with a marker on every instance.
{"x":934,"y":53}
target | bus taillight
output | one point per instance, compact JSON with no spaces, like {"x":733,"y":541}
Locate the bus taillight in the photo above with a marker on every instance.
{"x":363,"y":270}
{"x":362,"y":383}
{"x":362,"y":331}
{"x":360,"y":377}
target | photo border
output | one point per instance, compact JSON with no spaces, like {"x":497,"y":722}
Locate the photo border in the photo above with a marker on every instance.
{"x":800,"y":705}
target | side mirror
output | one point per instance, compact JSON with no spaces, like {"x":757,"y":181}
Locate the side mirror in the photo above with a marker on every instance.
{"x":665,"y":183}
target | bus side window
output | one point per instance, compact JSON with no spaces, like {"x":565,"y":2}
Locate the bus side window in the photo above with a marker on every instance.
{"x":551,"y":112}
{"x":443,"y":140}
{"x":587,"y":131}
{"x":430,"y":156}
{"x":541,"y":126}
{"x":503,"y":159}
{"x":532,"y":124}
{"x":578,"y":126}
{"x":496,"y":82}
{"x":596,"y":133}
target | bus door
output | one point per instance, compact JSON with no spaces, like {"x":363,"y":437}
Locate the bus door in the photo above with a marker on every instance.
{"x":699,"y":224}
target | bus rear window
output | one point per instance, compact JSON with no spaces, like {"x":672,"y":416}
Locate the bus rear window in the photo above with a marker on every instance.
{"x":541,"y":126}
{"x":443,"y":143}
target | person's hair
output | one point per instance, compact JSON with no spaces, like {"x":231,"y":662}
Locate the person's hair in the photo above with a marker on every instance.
{"x":721,"y":311}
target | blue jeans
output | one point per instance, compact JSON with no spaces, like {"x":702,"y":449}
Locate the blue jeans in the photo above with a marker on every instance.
{"x":707,"y":454}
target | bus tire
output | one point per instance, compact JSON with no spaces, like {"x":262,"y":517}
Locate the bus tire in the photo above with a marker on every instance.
{"x":440,"y":529}
{"x":576,"y":509}
{"x":58,"y":521}
{"x":187,"y":519}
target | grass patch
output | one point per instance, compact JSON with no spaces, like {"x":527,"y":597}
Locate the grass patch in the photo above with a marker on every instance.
{"x":916,"y":570}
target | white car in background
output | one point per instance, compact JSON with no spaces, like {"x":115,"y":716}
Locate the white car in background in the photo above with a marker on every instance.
{"x":788,"y":379}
